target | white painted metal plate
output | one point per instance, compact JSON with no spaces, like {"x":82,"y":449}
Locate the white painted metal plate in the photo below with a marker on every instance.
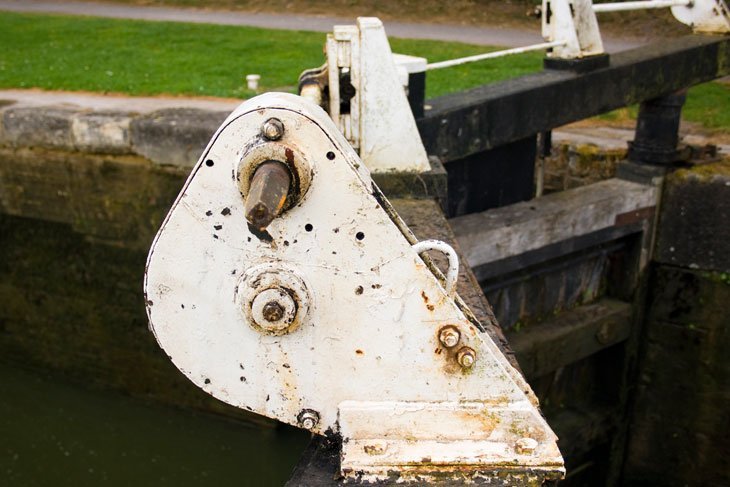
{"x":371,"y":331}
{"x":709,"y":16}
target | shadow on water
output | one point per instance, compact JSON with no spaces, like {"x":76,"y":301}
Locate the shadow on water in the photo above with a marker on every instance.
{"x":53,"y":434}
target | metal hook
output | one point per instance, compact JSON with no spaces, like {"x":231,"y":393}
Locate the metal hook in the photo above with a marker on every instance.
{"x":453,"y":272}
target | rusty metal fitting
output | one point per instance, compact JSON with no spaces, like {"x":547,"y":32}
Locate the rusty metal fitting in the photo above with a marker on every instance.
{"x":274,"y":310}
{"x":466,"y":356}
{"x":449,"y":336}
{"x":272,"y":129}
{"x":270,"y":186}
{"x":308,"y":419}
{"x":526,"y":446}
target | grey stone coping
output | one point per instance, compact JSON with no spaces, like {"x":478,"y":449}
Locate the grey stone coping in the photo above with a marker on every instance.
{"x":168,"y":137}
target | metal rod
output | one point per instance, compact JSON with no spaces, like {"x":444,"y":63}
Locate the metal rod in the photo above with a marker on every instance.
{"x":267,"y":195}
{"x":495,"y":54}
{"x":642,"y":5}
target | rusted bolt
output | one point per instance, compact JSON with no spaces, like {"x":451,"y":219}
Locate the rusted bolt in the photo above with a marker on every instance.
{"x":267,"y":194}
{"x":273,"y":309}
{"x":308,"y":419}
{"x":603,"y":335}
{"x":449,"y":336}
{"x":272,"y":129}
{"x":525,"y":446}
{"x":466,"y":357}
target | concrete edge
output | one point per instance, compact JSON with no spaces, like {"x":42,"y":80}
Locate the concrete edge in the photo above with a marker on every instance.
{"x":166,"y":137}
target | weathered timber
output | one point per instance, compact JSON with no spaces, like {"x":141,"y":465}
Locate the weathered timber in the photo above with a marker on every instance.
{"x":581,"y":430}
{"x":570,"y":336}
{"x":489,"y":116}
{"x":490,"y":179}
{"x":538,"y":292}
{"x":506,"y":232}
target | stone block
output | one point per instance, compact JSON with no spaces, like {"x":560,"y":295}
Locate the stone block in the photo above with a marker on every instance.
{"x":38,"y":127}
{"x":694,"y":230}
{"x":174,"y":137}
{"x":680,"y":422}
{"x":102,"y":132}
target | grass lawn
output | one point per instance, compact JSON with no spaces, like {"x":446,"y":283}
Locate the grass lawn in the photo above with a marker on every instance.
{"x":149,"y":58}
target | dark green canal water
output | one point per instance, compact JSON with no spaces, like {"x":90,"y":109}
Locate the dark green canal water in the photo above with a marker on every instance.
{"x":53,"y":434}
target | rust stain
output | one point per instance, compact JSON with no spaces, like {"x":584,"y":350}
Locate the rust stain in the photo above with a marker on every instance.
{"x":634,"y":216}
{"x":289,"y":154}
{"x":373,"y":449}
{"x":359,"y":352}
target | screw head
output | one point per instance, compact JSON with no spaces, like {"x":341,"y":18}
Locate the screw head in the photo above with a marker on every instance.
{"x":272,"y":311}
{"x":272,"y":129}
{"x":449,"y":336}
{"x":466,"y":357}
{"x":526,"y":446}
{"x":308,"y":419}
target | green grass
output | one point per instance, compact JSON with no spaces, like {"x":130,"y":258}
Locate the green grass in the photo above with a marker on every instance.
{"x":148,"y":58}
{"x":151,"y":58}
{"x":707,"y":104}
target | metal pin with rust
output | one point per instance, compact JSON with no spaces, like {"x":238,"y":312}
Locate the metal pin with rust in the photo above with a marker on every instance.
{"x":267,"y":194}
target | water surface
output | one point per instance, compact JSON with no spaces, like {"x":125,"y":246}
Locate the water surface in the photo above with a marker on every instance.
{"x":54,"y":434}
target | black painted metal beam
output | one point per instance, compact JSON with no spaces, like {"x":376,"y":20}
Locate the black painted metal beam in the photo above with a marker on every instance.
{"x":489,"y":116}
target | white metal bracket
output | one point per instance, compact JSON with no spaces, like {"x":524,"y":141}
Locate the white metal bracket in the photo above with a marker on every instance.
{"x":328,"y":318}
{"x":363,"y":78}
{"x":704,"y":16}
{"x":574,"y":23}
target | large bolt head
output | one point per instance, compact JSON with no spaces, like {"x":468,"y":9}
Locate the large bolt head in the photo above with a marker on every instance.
{"x":272,"y":129}
{"x":466,"y":357}
{"x":449,"y":336}
{"x":273,"y":309}
{"x":273,"y":299}
{"x":308,"y":419}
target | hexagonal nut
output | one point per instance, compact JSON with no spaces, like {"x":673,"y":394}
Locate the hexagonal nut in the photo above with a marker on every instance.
{"x":273,"y":298}
{"x":272,"y":129}
{"x":466,"y":356}
{"x":308,"y":419}
{"x":449,"y":336}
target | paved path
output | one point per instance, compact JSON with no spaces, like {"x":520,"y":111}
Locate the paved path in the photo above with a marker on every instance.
{"x":494,"y":36}
{"x":94,"y":101}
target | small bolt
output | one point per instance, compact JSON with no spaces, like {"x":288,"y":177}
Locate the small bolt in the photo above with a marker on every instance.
{"x":526,"y":446}
{"x":273,"y":311}
{"x":466,"y":357}
{"x":449,"y":336}
{"x":603,"y":335}
{"x":308,"y":419}
{"x":272,"y":129}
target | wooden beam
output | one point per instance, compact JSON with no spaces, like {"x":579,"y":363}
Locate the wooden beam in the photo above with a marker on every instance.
{"x":513,"y":230}
{"x":570,"y":336}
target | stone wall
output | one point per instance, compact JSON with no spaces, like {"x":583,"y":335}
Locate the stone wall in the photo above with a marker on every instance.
{"x":680,"y":422}
{"x":572,"y":165}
